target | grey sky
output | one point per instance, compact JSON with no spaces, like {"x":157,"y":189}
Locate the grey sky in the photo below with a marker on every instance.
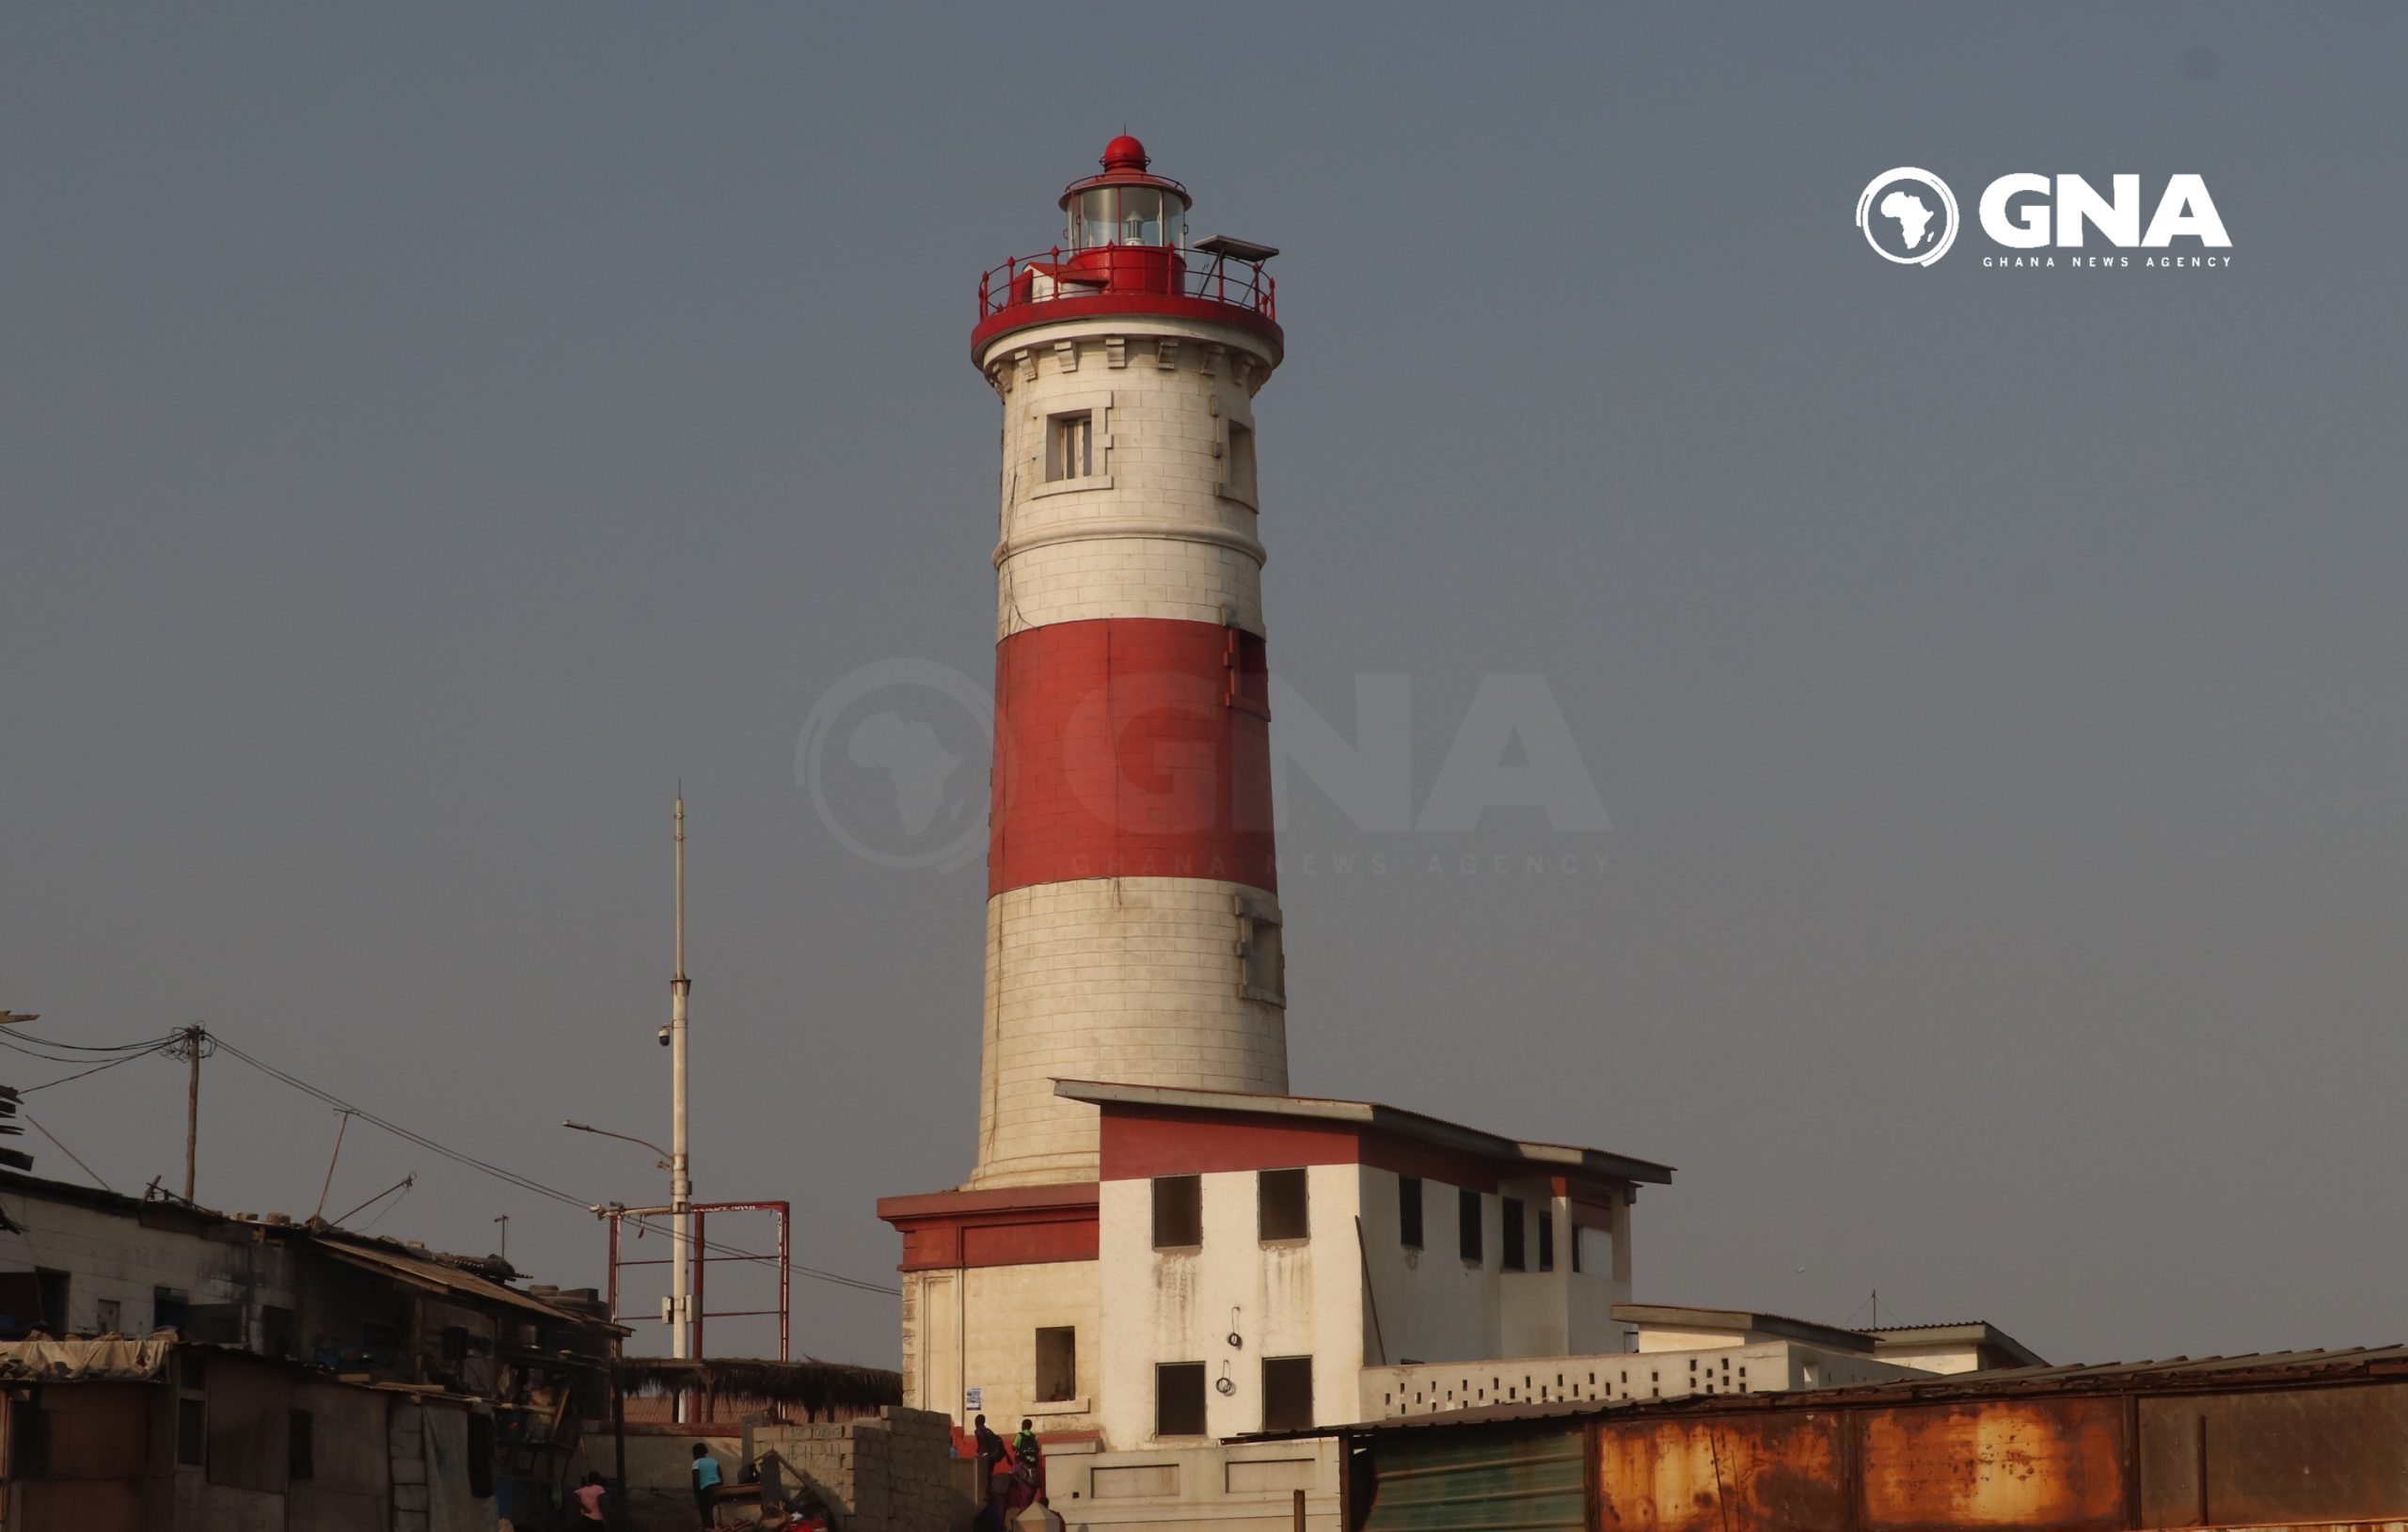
{"x":429,"y":431}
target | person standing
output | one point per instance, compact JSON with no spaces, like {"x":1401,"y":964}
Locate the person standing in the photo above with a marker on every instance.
{"x":990,"y":1450}
{"x":589,"y":1496}
{"x":1028,"y":1466}
{"x":707,"y":1481}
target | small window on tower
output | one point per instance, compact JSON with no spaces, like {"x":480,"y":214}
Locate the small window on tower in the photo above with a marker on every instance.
{"x":1179,"y":1212}
{"x":1280,"y":1204}
{"x":1069,"y":445}
{"x":1516,"y":1224}
{"x":1058,"y":1363}
{"x":1262,"y":952}
{"x":1408,"y":1211}
{"x":1238,"y":476}
{"x":1546,"y":1237}
{"x":1179,"y":1399}
{"x":1468,"y":1224}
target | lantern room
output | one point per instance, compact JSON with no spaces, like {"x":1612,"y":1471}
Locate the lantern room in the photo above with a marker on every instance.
{"x":1125,"y":206}
{"x":1125,"y":250}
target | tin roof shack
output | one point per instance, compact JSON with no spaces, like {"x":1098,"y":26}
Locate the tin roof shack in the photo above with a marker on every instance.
{"x":81,"y":1261}
{"x":109,"y":1434}
{"x":2288,"y":1440}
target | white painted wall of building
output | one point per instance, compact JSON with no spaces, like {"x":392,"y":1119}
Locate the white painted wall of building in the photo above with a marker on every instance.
{"x":1434,"y":1305}
{"x":1289,"y":1298}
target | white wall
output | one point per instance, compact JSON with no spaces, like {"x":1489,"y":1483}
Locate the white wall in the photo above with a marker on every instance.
{"x":1772,"y":1367}
{"x":1290,"y":1299}
{"x":1432,"y":1305}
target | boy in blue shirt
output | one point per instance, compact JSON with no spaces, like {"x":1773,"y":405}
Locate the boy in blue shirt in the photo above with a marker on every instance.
{"x":705,"y":1481}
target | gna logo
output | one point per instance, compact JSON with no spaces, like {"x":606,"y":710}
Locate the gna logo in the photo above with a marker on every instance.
{"x":1909,"y":216}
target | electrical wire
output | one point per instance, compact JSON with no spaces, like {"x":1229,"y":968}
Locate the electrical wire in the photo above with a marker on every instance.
{"x":527,"y":1183}
{"x":80,"y":1074}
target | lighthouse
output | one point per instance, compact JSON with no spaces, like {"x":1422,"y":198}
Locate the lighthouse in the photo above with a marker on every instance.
{"x":1159,"y":1247}
{"x":1134,"y":931}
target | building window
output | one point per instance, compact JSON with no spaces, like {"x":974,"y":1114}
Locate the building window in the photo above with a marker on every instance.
{"x":108,"y":1317}
{"x":1058,"y":1363}
{"x":1467,"y":1223}
{"x":1262,"y":952}
{"x":1237,"y":477}
{"x":1593,"y":1250}
{"x":1287,"y":1392}
{"x":54,"y":1286}
{"x":276,"y":1330}
{"x":1280,"y":1204}
{"x":169,"y":1309}
{"x":192,"y":1432}
{"x":1516,"y":1222}
{"x":1179,"y":1399}
{"x":1408,"y":1211}
{"x":302,"y":1446}
{"x":1179,"y":1212}
{"x":1546,"y":1237}
{"x":1069,"y":445}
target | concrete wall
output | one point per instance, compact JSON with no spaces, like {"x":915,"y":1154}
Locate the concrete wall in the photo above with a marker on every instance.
{"x":1769,"y":1367}
{"x":1124,"y":979}
{"x":1246,"y":1487}
{"x":977,"y":1329}
{"x":660,"y":1473}
{"x":893,"y":1473}
{"x":111,"y":1257}
{"x":1290,"y":1299}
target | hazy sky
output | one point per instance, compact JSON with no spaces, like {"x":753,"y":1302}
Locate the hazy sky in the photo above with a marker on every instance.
{"x":432,"y":431}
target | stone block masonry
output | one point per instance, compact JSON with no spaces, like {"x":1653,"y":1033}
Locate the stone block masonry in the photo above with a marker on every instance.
{"x":893,"y":1474}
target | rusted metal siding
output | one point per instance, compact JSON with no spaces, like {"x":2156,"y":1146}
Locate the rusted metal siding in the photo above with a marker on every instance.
{"x":1521,"y":1479}
{"x":2301,"y":1455}
{"x":1774,"y":1473}
{"x":2045,"y":1465}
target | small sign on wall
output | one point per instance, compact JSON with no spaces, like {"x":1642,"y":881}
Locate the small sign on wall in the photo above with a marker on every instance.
{"x":973,"y":1398}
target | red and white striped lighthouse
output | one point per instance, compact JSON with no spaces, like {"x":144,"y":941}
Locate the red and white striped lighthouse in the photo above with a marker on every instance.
{"x":1132,"y":917}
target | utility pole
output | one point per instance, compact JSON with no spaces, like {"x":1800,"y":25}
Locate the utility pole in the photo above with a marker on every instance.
{"x":193,"y":1034}
{"x":681,"y":1181}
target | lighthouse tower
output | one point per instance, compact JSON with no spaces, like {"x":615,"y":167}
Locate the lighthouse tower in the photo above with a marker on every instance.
{"x":1132,"y":916}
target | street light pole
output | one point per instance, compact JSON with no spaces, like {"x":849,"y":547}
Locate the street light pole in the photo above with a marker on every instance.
{"x":681,"y":1181}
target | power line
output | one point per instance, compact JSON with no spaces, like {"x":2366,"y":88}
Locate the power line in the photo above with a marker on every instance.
{"x":80,"y":1074}
{"x":525,"y":1183}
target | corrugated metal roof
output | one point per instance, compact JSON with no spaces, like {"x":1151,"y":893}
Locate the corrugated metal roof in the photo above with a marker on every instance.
{"x":444,"y":1278}
{"x":2167,"y":1375}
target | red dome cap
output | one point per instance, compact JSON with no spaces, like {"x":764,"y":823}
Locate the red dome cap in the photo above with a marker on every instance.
{"x":1125,"y":153}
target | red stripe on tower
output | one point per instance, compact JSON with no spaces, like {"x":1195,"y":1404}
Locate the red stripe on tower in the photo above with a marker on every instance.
{"x":1131,"y":748}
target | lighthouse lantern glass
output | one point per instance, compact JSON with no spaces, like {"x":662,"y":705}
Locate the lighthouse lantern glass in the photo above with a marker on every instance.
{"x":1104,"y":215}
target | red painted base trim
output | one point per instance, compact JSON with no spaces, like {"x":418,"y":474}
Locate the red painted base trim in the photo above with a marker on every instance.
{"x":1130,"y":747}
{"x":1016,"y":1225}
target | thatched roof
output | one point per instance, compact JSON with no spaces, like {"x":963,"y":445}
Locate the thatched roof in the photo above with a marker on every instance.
{"x":814,"y":1385}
